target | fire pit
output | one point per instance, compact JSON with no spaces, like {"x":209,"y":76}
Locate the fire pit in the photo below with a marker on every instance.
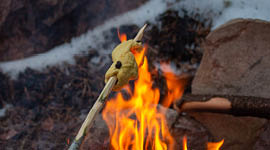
{"x":196,"y":89}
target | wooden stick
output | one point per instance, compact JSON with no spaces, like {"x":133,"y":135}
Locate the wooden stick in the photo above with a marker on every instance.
{"x":235,"y":105}
{"x":98,"y":105}
{"x":92,"y":114}
{"x":139,"y":35}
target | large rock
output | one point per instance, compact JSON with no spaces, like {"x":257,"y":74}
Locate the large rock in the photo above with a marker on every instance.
{"x":31,"y":27}
{"x":263,"y":142}
{"x":236,"y":61}
{"x":238,"y":132}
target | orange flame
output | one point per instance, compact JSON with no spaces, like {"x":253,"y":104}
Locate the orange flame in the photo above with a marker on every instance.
{"x":214,"y":145}
{"x":136,"y":123}
{"x":122,"y":37}
{"x":210,"y":145}
{"x":175,"y":86}
{"x":185,"y":143}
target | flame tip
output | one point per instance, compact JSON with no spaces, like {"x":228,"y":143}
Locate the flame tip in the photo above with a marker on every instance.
{"x":121,"y":36}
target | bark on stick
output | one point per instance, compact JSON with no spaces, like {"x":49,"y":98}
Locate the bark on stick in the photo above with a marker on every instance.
{"x":235,"y":105}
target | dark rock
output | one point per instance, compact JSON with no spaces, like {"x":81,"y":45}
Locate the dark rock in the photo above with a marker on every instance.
{"x":32,"y":27}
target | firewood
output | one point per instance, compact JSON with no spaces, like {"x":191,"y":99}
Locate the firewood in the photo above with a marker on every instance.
{"x":230,"y":104}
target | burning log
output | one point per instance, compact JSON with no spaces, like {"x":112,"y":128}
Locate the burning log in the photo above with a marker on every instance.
{"x":115,"y":78}
{"x":235,"y":105}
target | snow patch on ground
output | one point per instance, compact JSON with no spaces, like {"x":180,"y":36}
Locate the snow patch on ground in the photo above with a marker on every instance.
{"x":168,"y":68}
{"x":220,"y":11}
{"x":255,"y":9}
{"x":93,"y":38}
{"x":4,"y":109}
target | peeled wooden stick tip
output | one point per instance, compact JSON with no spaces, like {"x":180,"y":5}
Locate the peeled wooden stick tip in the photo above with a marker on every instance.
{"x":213,"y":104}
{"x":140,"y":33}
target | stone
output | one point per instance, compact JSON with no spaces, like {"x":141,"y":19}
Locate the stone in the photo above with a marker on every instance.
{"x":197,"y":135}
{"x":263,"y":143}
{"x":237,"y":132}
{"x":236,"y":61}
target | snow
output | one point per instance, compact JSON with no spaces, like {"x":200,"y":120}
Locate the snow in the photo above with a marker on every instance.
{"x":4,"y":109}
{"x":93,"y":38}
{"x":256,"y":9}
{"x":220,"y":11}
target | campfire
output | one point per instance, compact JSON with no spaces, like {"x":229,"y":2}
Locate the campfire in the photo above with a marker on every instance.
{"x":136,"y":123}
{"x":197,"y":80}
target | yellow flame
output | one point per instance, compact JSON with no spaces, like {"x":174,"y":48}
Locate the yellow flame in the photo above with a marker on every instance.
{"x":184,"y":143}
{"x":215,"y":145}
{"x":136,"y":123}
{"x":210,"y":145}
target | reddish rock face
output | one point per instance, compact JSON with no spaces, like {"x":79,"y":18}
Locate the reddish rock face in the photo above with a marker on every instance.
{"x":236,"y":61}
{"x":32,"y":27}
